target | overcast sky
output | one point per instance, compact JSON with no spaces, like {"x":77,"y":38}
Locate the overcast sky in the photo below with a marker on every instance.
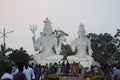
{"x":98,"y":16}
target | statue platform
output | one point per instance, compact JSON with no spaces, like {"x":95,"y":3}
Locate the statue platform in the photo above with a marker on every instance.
{"x":47,"y":60}
{"x":84,"y":62}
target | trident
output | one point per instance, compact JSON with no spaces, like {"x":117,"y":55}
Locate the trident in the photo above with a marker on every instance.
{"x":33,"y":28}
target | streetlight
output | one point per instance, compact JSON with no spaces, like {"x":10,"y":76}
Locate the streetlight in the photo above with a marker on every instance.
{"x":4,"y":35}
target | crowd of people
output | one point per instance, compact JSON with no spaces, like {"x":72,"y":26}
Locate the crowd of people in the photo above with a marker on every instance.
{"x":39,"y":72}
{"x":60,"y":68}
{"x":18,"y":72}
{"x":110,"y":72}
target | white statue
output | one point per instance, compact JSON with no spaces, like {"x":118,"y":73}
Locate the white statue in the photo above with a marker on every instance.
{"x":82,"y":46}
{"x":46,"y":45}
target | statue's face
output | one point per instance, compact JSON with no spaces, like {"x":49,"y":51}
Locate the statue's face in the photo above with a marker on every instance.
{"x":47,"y":31}
{"x":81,"y":33}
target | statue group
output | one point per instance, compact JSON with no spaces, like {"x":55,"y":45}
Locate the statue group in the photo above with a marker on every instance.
{"x":48,"y":47}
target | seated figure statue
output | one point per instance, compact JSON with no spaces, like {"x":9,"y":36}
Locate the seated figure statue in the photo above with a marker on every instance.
{"x":46,"y":45}
{"x":82,"y":47}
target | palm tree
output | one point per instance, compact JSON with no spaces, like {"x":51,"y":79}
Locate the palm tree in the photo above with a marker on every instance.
{"x":19,"y":56}
{"x":3,"y":52}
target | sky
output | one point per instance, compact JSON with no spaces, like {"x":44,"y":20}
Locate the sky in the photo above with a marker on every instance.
{"x":98,"y":16}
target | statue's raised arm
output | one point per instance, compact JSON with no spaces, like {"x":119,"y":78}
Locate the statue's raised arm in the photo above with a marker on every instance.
{"x":73,"y":46}
{"x":90,"y":51}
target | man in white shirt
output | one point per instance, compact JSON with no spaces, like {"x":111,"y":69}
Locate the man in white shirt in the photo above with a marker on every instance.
{"x":117,"y":72}
{"x":28,"y":71}
{"x":7,"y":75}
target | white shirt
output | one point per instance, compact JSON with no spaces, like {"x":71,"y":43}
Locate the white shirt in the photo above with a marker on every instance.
{"x":28,"y":73}
{"x":117,"y":72}
{"x":7,"y":75}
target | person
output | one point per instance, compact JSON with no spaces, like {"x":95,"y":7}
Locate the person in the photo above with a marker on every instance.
{"x":28,"y":71}
{"x":79,"y":68}
{"x":46,"y":45}
{"x":73,"y":68}
{"x":110,"y":72}
{"x":114,"y":70}
{"x":117,"y":72}
{"x":82,"y":46}
{"x":42,"y":72}
{"x":19,"y":75}
{"x":59,"y":68}
{"x":37,"y":71}
{"x":67,"y":67}
{"x":63,"y":67}
{"x":7,"y":75}
{"x":95,"y":70}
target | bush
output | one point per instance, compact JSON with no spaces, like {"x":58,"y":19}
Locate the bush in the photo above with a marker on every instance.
{"x":97,"y":78}
{"x":87,"y":75}
{"x":53,"y":77}
{"x":3,"y":64}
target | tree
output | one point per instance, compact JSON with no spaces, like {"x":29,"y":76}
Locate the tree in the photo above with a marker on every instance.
{"x":116,"y":41}
{"x":19,"y":56}
{"x":3,"y":59}
{"x":103,"y":47}
{"x":3,"y":54}
{"x":66,"y":51}
{"x":60,"y":35}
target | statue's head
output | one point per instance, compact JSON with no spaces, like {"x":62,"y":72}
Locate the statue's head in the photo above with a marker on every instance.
{"x":81,"y":31}
{"x":47,"y":27}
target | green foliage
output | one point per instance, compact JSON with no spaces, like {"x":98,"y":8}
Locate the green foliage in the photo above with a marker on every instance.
{"x":53,"y":77}
{"x":103,"y":47}
{"x":117,"y":42}
{"x":58,"y":33}
{"x":97,"y":78}
{"x":66,"y":50}
{"x":3,"y":52}
{"x":87,"y":75}
{"x":19,"y":56}
{"x":3,"y":64}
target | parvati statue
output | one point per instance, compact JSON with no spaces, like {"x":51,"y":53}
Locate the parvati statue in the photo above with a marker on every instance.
{"x":82,"y":46}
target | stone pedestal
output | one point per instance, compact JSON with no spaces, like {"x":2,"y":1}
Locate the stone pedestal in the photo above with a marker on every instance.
{"x":83,"y":62}
{"x":43,"y":60}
